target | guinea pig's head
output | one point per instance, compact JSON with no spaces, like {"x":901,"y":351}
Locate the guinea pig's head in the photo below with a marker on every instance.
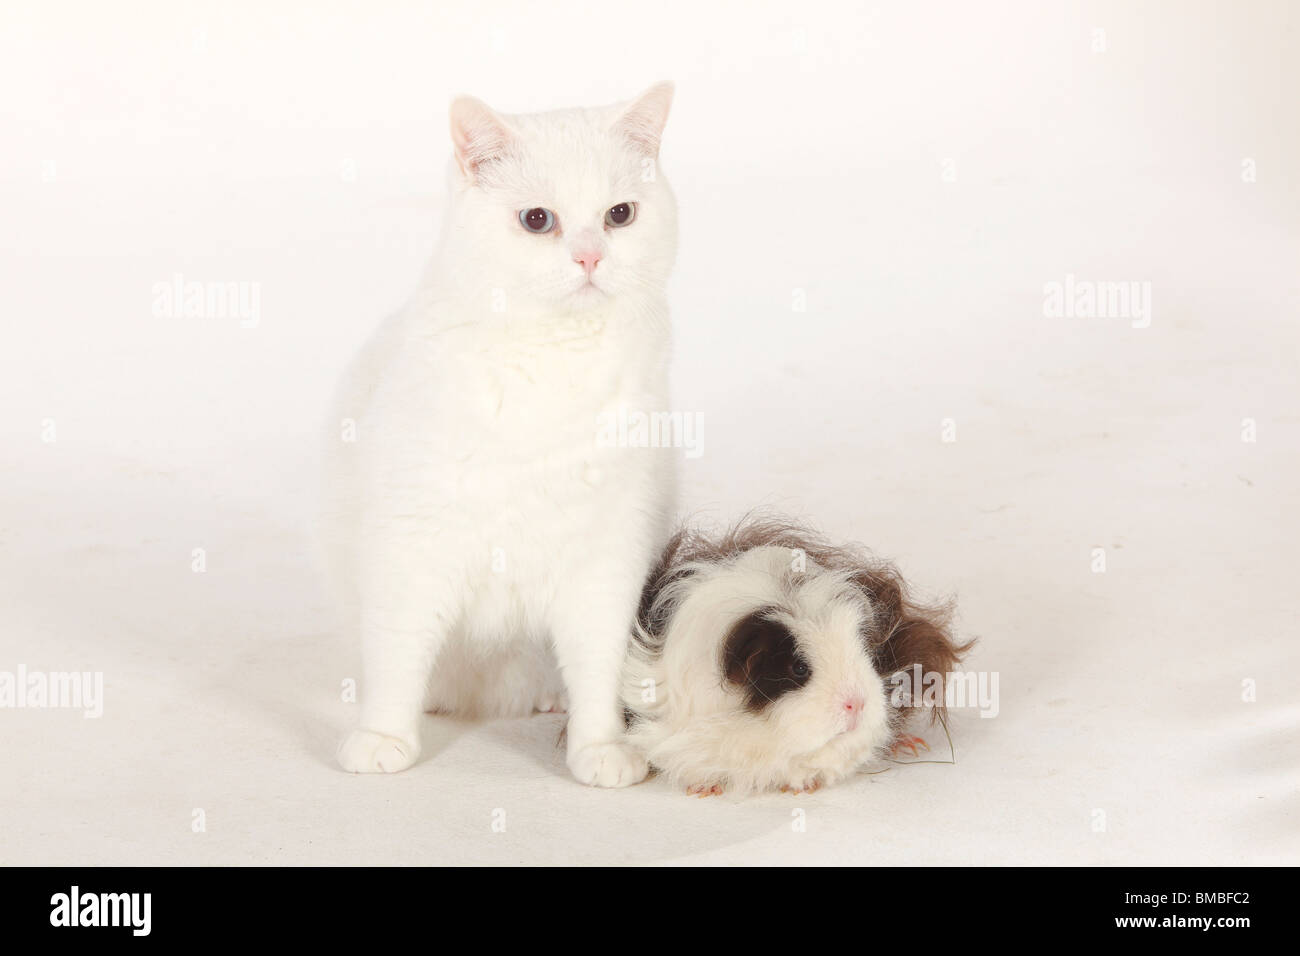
{"x":797,"y":654}
{"x":773,"y":650}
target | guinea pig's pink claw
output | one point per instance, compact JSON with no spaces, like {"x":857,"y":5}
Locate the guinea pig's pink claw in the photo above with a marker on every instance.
{"x":910,"y":743}
{"x":705,"y":790}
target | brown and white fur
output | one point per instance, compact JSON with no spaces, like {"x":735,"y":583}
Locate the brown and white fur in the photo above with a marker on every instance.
{"x":761,"y":659}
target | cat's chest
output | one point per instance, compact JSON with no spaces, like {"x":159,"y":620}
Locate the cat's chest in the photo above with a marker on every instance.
{"x":543,"y":378}
{"x":535,"y":410}
{"x":575,"y":360}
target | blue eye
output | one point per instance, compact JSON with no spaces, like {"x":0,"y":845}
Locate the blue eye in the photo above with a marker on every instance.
{"x":537,"y":220}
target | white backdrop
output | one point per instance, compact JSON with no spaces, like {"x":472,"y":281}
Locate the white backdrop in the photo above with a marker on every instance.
{"x":873,"y":200}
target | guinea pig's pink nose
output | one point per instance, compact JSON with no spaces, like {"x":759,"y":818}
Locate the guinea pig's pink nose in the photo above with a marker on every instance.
{"x":853,"y":710}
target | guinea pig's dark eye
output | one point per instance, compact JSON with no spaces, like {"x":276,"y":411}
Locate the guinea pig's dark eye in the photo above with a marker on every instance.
{"x":537,"y":220}
{"x":800,"y":669}
{"x":621,"y":215}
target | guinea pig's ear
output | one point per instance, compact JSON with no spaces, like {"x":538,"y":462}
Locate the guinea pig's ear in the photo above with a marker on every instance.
{"x":671,"y":568}
{"x":907,"y":634}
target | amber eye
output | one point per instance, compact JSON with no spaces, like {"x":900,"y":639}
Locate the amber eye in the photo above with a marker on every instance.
{"x":537,"y":220}
{"x":621,"y":215}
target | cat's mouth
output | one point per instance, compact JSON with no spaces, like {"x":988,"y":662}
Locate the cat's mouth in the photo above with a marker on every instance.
{"x":587,"y":289}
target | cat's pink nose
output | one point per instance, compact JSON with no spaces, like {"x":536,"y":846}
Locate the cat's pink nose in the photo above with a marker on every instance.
{"x":852,"y":711}
{"x":587,"y":258}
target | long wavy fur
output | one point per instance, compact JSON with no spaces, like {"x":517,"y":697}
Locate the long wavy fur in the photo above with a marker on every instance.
{"x":907,"y":631}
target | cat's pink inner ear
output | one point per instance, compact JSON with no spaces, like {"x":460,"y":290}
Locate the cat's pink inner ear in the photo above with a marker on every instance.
{"x":477,"y":133}
{"x":642,"y":122}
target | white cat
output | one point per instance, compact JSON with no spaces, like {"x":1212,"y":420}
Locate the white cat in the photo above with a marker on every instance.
{"x":492,"y":544}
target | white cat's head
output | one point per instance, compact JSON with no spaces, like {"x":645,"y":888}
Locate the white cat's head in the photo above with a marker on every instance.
{"x":565,"y":210}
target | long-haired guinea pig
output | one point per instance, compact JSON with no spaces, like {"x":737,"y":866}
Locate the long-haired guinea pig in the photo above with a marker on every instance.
{"x":761,"y":658}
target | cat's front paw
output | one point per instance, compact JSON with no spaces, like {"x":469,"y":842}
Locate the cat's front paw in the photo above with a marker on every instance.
{"x":364,"y":751}
{"x":608,"y":765}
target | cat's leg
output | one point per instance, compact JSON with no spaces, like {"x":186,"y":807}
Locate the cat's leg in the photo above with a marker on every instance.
{"x":395,"y":666}
{"x":405,"y":617}
{"x":591,"y":626}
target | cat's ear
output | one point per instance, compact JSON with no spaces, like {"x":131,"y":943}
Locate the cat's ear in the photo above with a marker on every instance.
{"x":642,"y":121}
{"x":478,"y":134}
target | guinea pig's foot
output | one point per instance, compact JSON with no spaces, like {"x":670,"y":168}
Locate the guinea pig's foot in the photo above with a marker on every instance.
{"x":811,"y":785}
{"x":908,"y":742}
{"x":705,"y":790}
{"x":552,"y":705}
